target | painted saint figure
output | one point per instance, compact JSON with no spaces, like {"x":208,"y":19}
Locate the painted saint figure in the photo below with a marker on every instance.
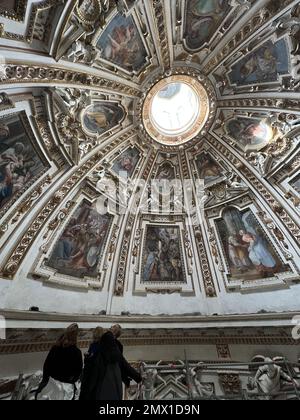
{"x":250,"y":133}
{"x":78,"y":250}
{"x":238,"y":254}
{"x":258,"y":252}
{"x":249,"y":253}
{"x":19,"y":162}
{"x":122,"y":45}
{"x":264,"y":65}
{"x":162,"y":259}
{"x":208,"y":169}
{"x":203,"y":18}
{"x":102,"y":116}
{"x":127,"y":162}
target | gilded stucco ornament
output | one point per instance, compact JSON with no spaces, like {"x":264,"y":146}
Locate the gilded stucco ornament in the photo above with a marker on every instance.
{"x":88,"y":16}
{"x":89,"y":11}
{"x":17,"y":12}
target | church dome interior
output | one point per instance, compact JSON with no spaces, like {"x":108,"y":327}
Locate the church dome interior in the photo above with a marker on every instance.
{"x":150,"y":177}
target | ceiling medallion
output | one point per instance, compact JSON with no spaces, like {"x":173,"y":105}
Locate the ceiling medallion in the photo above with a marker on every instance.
{"x":176,"y":109}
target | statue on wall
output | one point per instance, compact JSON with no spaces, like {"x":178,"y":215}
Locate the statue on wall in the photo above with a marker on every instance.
{"x":200,"y":389}
{"x":150,"y":379}
{"x":89,"y":11}
{"x":271,"y":380}
{"x":54,"y":390}
{"x":80,"y":52}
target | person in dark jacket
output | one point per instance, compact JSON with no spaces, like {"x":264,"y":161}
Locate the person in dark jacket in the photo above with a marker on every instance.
{"x":108,"y":369}
{"x":92,"y":365}
{"x":64,"y":361}
{"x":128,"y":372}
{"x":117,"y":332}
{"x":95,"y":346}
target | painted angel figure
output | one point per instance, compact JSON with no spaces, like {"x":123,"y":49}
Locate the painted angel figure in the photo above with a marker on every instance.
{"x":259,"y":252}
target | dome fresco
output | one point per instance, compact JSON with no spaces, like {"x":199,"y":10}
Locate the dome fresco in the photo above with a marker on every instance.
{"x":149,"y":156}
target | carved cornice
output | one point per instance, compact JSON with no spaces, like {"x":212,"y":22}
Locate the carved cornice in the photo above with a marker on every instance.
{"x":266,"y":319}
{"x":16,"y":74}
{"x":46,"y":135}
{"x":287,"y":105}
{"x":121,"y":275}
{"x":41,"y":340}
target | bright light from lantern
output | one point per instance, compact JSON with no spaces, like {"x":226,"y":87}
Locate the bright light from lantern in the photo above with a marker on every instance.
{"x":175,"y":109}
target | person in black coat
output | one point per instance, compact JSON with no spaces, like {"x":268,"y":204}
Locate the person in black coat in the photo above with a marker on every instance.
{"x":64,"y":361}
{"x":107,"y":370}
{"x":127,"y":371}
{"x":92,"y":366}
